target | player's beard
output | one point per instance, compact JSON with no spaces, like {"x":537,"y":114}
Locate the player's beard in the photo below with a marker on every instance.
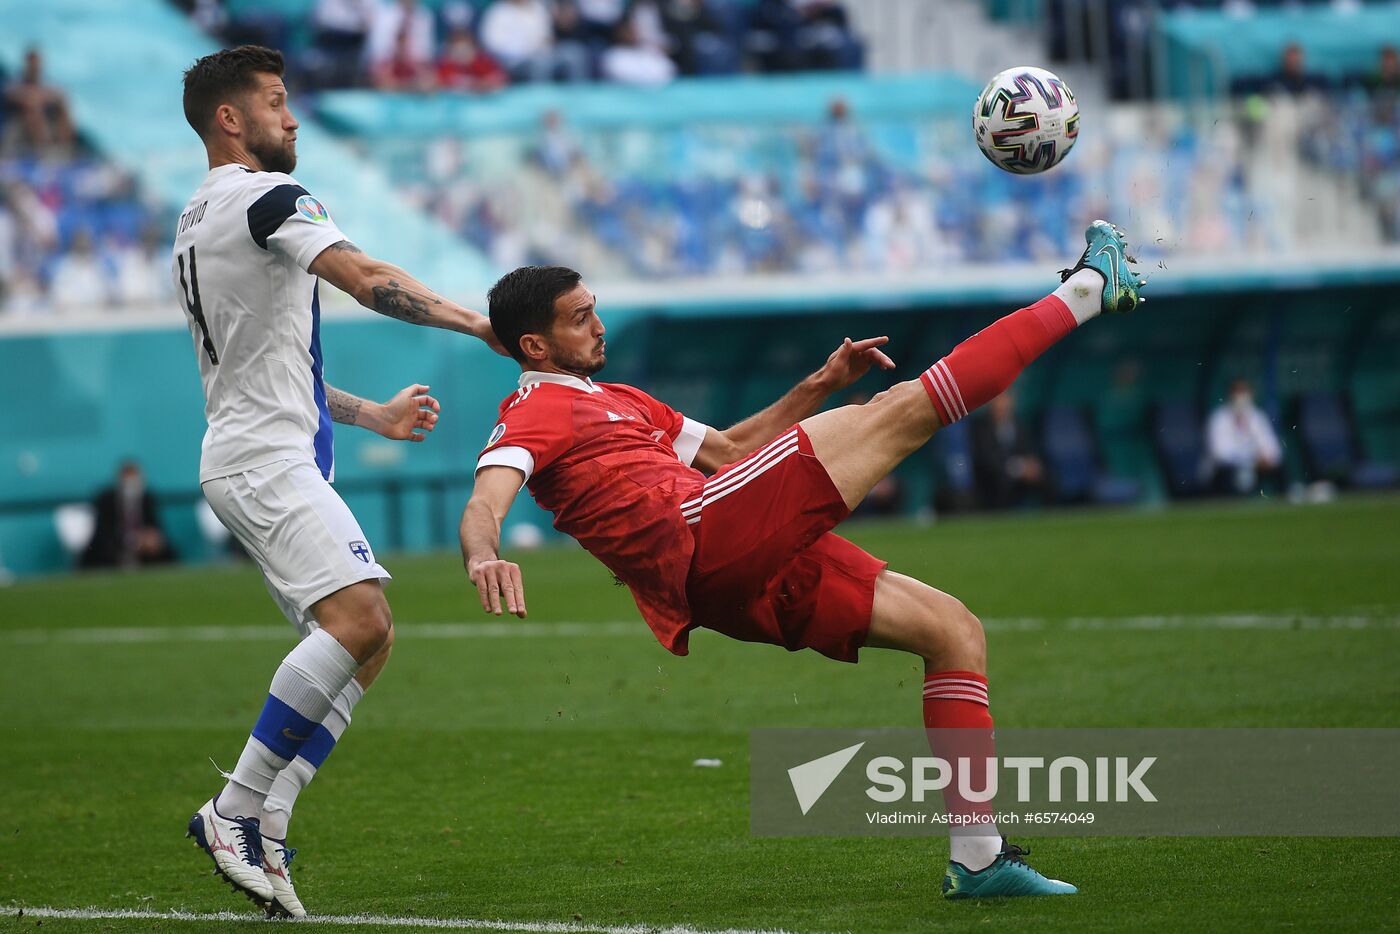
{"x":272,"y":154}
{"x":583,"y":366}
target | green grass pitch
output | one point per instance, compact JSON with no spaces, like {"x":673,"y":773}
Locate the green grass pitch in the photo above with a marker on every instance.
{"x":525,"y":778}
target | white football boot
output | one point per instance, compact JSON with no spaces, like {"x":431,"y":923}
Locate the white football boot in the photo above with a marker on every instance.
{"x":235,"y":846}
{"x":277,"y":866}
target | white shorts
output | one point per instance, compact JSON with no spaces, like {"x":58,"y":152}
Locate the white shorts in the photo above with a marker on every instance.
{"x":298,"y":530}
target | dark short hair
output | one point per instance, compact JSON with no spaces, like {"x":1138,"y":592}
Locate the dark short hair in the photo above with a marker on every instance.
{"x":216,"y":79}
{"x":522,"y":302}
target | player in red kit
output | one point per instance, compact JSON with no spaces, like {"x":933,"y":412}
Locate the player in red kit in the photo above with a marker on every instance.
{"x":731,"y":530}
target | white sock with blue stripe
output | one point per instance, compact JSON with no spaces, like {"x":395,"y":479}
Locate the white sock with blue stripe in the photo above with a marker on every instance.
{"x":302,"y":693}
{"x":277,"y":809}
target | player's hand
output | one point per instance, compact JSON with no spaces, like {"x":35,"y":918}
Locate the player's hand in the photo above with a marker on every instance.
{"x":499,"y":585}
{"x":853,"y":359}
{"x":409,"y":415}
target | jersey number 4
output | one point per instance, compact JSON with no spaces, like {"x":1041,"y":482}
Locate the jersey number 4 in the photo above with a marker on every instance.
{"x":190,"y":292}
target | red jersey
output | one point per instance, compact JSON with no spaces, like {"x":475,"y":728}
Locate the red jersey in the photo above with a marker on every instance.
{"x":613,"y":466}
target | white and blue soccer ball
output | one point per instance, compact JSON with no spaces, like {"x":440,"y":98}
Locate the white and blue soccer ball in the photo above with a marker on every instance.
{"x":1026,"y":120}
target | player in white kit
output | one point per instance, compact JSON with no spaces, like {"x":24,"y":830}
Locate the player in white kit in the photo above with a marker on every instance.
{"x":250,"y":248}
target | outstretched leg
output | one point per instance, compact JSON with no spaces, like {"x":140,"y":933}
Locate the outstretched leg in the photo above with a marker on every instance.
{"x":860,"y":445}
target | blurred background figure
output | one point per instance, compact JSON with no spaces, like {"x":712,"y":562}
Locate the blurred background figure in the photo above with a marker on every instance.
{"x":402,"y":45}
{"x":1292,"y":77}
{"x":634,"y":61}
{"x":465,"y":67}
{"x":520,"y":35}
{"x":127,"y":533}
{"x":1384,"y":82}
{"x":1243,"y":448}
{"x":1008,"y":469}
{"x":340,"y":30}
{"x":81,"y":280}
{"x":41,"y":122}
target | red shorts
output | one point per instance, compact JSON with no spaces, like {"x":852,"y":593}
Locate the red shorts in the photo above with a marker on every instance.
{"x":767,"y":567}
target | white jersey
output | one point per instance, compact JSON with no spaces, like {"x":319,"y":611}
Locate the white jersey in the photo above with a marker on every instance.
{"x":242,"y":248}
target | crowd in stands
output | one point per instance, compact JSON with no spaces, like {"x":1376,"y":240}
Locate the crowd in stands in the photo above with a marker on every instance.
{"x":841,"y":197}
{"x":75,"y":233}
{"x":405,"y":45}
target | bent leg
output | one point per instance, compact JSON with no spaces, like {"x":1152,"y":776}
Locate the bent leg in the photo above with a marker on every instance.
{"x":917,"y":618}
{"x":290,"y":782}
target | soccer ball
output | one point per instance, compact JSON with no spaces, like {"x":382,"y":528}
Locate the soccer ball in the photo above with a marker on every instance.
{"x":1026,"y":120}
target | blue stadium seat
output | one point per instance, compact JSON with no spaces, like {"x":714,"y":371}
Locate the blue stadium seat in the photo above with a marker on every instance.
{"x":1180,"y":443}
{"x":1072,"y":460}
{"x":1330,"y":448}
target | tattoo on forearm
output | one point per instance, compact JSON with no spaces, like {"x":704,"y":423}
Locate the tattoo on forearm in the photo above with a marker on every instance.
{"x":345,"y":246}
{"x":344,"y":407}
{"x":396,"y":301}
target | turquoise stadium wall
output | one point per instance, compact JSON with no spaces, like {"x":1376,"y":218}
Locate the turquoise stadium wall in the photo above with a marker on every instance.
{"x":77,"y":403}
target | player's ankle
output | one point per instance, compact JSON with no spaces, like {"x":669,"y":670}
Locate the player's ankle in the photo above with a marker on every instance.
{"x":273,"y":823}
{"x":1082,"y":293}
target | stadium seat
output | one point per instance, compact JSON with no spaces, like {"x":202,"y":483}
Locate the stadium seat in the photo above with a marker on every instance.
{"x":1070,"y":455}
{"x":952,"y":463}
{"x":1179,"y":436}
{"x":74,"y":524}
{"x":1330,"y":448}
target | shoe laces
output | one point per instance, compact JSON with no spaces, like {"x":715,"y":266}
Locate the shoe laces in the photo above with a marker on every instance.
{"x":249,"y":839}
{"x":1014,"y":854}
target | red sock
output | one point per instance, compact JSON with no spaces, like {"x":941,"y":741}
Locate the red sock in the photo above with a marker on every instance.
{"x":983,"y":366}
{"x":955,"y":705}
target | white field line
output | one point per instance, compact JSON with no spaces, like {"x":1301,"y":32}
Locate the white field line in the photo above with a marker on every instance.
{"x":381,"y":921}
{"x":116,"y":635}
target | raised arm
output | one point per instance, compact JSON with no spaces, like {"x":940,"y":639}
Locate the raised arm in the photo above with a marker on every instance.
{"x":847,"y":363}
{"x":406,"y":417}
{"x":387,"y":289}
{"x":495,"y":490}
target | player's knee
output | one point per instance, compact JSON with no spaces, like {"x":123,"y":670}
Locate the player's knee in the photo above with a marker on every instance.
{"x":957,"y":638}
{"x":377,"y":625}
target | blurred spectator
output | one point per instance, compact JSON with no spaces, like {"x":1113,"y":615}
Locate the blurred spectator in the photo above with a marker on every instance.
{"x":520,"y":35}
{"x":402,"y":71}
{"x":1241,"y":445}
{"x":1008,"y":470}
{"x":802,"y":35}
{"x":1386,"y":79}
{"x":557,"y":148}
{"x":40,"y":110}
{"x":81,"y":282}
{"x":632,"y":61}
{"x":340,"y":31}
{"x":127,"y":533}
{"x":142,"y":270}
{"x":464,"y":67}
{"x":697,"y":40}
{"x":599,"y":19}
{"x":1292,"y":78}
{"x":402,"y":45}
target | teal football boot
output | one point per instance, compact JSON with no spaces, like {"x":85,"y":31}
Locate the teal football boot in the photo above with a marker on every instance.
{"x":1007,"y":877}
{"x":1107,"y":255}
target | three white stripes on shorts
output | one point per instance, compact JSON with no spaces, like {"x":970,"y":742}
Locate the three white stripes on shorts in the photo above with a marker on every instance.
{"x":941,"y":378}
{"x":717,"y":488}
